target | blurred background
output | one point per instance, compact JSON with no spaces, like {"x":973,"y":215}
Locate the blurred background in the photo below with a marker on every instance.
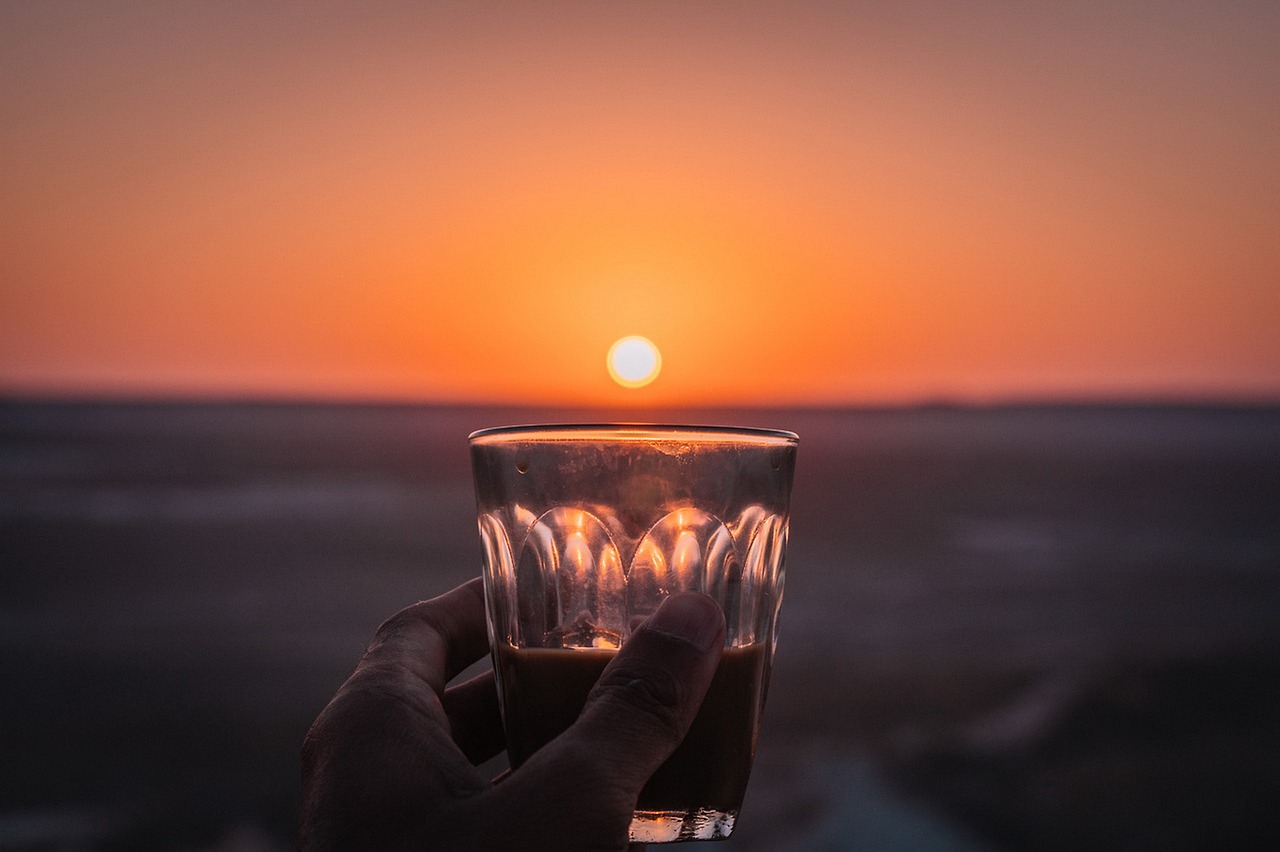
{"x":1010,"y":270}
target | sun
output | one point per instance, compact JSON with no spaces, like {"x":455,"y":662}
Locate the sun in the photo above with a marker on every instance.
{"x":634,"y":361}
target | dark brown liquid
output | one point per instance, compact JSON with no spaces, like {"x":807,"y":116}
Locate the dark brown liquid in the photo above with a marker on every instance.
{"x":544,"y":690}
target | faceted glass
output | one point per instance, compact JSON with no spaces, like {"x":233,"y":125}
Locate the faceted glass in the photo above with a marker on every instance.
{"x":584,"y":530}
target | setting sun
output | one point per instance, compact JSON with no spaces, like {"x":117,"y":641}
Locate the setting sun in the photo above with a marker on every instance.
{"x":846,"y":204}
{"x":634,"y":361}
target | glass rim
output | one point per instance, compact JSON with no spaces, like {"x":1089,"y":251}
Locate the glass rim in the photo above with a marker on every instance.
{"x":567,"y":432}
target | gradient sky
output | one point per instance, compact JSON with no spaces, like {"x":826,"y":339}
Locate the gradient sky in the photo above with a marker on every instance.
{"x":798,"y":202}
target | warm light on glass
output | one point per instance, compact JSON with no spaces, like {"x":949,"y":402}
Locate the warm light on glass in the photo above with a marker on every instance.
{"x":634,"y":362}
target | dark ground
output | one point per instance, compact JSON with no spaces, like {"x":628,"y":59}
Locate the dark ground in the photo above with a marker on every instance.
{"x":1018,"y":628}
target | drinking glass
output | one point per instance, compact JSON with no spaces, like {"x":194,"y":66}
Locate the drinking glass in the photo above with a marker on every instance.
{"x":584,"y":530}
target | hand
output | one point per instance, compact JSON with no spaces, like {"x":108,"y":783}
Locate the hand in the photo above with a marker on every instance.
{"x":390,"y":762}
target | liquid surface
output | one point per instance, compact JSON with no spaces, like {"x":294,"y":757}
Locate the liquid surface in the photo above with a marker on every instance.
{"x":544,"y":690}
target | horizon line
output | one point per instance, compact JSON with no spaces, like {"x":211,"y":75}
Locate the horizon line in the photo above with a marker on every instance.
{"x":11,"y":396}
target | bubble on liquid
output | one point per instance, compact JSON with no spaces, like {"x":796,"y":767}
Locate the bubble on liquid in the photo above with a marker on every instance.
{"x":583,"y":633}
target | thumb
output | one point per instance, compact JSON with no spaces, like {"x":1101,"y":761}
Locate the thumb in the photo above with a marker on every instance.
{"x":647,"y":697}
{"x":638,"y":712}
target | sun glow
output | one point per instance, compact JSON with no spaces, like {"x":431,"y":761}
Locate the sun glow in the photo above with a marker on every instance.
{"x":634,"y":361}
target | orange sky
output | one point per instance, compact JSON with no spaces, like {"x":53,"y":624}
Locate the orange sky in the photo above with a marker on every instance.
{"x":797,"y":202}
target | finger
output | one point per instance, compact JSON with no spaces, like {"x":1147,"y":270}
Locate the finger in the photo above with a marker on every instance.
{"x":434,"y":639}
{"x":474,"y":718}
{"x":382,"y":750}
{"x":634,"y":718}
{"x":647,"y":698}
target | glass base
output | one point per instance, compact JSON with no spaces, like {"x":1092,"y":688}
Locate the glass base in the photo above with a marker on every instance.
{"x":675,"y":826}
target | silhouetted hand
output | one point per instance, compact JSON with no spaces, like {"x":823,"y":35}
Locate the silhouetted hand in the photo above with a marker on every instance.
{"x":390,"y":762}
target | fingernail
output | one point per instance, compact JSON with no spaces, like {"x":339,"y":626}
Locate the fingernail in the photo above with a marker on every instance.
{"x":692,"y":617}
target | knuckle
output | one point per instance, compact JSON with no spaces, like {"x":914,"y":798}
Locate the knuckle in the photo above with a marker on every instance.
{"x":652,"y":693}
{"x":405,"y":632}
{"x":406,"y":619}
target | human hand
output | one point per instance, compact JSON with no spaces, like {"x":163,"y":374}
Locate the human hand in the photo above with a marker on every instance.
{"x":390,"y":763}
